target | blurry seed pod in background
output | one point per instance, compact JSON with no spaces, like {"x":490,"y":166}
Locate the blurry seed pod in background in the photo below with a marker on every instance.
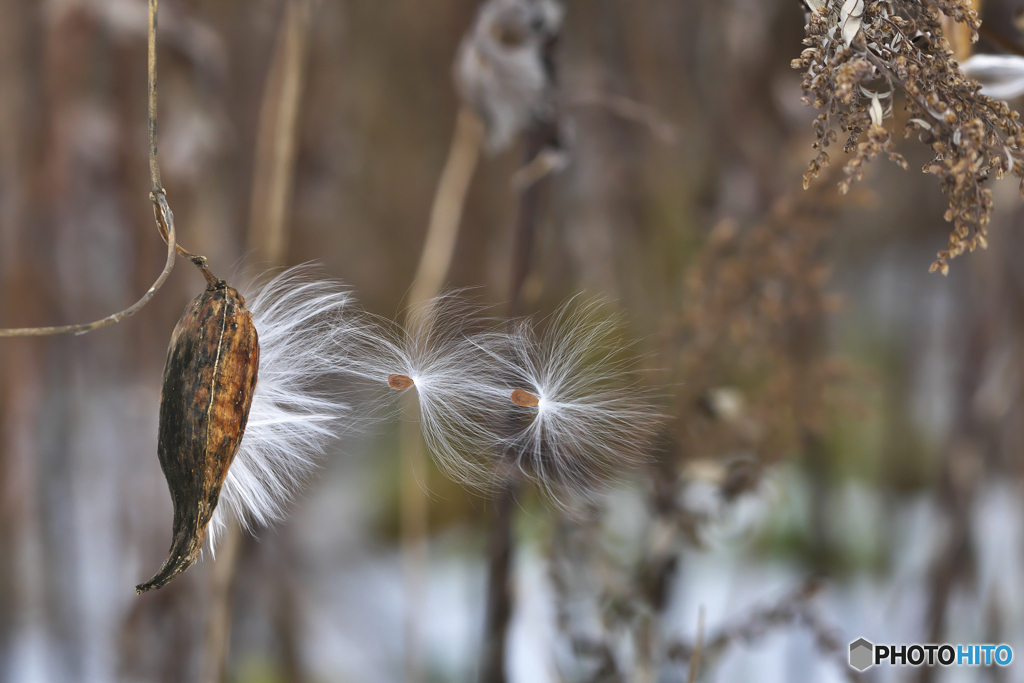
{"x":503,"y":69}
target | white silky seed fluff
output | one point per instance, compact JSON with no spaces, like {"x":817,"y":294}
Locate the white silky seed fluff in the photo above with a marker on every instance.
{"x":591,"y":422}
{"x":293,"y":417}
{"x":452,"y":377}
{"x":593,"y":418}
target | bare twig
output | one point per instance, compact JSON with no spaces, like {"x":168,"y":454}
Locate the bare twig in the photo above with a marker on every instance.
{"x":276,"y":143}
{"x":794,"y":608}
{"x":446,"y":212}
{"x":547,"y":161}
{"x":218,"y":623}
{"x":273,"y":179}
{"x":164,"y":216}
{"x":164,"y":219}
{"x":630,"y":110}
{"x":540,"y":136}
{"x":415,"y":509}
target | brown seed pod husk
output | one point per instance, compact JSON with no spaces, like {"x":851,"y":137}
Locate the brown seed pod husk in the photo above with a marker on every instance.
{"x":209,"y":379}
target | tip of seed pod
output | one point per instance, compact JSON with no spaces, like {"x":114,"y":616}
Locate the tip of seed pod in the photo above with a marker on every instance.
{"x":524,"y":398}
{"x":400,"y":382}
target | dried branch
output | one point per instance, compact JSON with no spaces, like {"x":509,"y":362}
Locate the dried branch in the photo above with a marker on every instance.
{"x":277,"y":141}
{"x":223,"y":576}
{"x":435,"y":262}
{"x":446,"y":212}
{"x":627,"y":109}
{"x":540,"y":136}
{"x":795,"y":608}
{"x":164,"y":219}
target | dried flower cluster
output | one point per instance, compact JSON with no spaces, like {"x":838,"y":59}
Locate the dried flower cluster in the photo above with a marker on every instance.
{"x":861,"y":55}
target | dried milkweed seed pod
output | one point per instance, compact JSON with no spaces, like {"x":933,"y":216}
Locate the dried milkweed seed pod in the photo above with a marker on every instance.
{"x":208,"y":384}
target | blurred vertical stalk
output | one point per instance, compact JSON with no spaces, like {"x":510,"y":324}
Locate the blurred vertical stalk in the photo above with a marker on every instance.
{"x":218,"y":622}
{"x":540,"y":136}
{"x":446,"y":212}
{"x":18,"y":367}
{"x":277,"y":137}
{"x":435,"y":262}
{"x":267,"y":240}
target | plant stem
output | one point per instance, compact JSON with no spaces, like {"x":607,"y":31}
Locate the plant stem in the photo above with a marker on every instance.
{"x":162,"y":211}
{"x":446,"y":212}
{"x":435,"y":262}
{"x":277,"y":139}
{"x":218,"y":623}
{"x":499,"y":586}
{"x":540,"y":136}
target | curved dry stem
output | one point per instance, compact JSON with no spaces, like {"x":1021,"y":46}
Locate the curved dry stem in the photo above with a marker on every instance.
{"x":120,"y":315}
{"x":627,"y":109}
{"x":162,"y":211}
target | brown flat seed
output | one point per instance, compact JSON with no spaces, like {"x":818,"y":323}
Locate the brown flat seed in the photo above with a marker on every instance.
{"x":524,"y":398}
{"x":400,"y":382}
{"x":209,"y":379}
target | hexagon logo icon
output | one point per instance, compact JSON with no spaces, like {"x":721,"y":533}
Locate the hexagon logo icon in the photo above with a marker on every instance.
{"x":861,"y":654}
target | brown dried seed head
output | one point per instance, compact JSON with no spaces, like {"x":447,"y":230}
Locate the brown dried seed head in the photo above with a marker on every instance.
{"x":209,"y":379}
{"x":524,"y":398}
{"x":400,"y":382}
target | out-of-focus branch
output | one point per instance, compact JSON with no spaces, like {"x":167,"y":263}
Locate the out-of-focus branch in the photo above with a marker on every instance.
{"x":794,"y":608}
{"x":446,"y":212}
{"x":698,"y":648}
{"x":435,"y":262}
{"x":218,"y":621}
{"x":630,"y":110}
{"x":277,"y":139}
{"x":540,"y":136}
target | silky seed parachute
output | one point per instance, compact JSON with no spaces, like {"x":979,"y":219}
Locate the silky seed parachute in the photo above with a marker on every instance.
{"x":577,"y":414}
{"x":558,"y":400}
{"x":435,"y":353}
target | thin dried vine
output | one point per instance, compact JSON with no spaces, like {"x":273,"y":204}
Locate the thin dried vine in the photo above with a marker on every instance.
{"x":164,"y":221}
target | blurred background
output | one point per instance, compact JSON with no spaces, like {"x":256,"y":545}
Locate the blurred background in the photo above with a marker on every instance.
{"x":843,"y":457}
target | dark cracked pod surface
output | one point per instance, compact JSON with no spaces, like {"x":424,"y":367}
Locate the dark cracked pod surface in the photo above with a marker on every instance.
{"x":208,"y":384}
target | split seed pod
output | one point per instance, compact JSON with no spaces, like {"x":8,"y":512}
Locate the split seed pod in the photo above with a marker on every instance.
{"x":208,"y":384}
